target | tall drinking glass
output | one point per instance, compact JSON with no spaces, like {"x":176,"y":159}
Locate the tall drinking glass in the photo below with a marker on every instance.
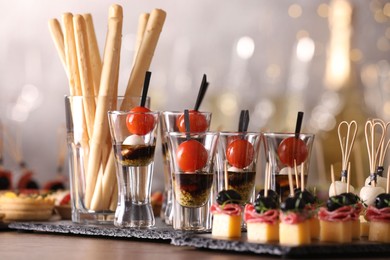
{"x":284,"y":151}
{"x":192,"y":166}
{"x":237,"y":159}
{"x":170,"y":121}
{"x":134,"y":137}
{"x":94,"y":197}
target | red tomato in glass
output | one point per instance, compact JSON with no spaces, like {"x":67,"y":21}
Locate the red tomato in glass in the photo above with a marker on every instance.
{"x":291,"y":149}
{"x":140,"y":124}
{"x":240,"y":153}
{"x":198,"y":122}
{"x":191,"y":156}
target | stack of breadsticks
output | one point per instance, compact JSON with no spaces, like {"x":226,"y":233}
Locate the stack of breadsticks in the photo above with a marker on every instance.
{"x":96,"y":80}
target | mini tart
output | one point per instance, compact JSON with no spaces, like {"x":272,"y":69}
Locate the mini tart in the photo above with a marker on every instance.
{"x":294,"y":228}
{"x":379,"y":220}
{"x":25,"y":207}
{"x":336,"y":226}
{"x":226,"y":220}
{"x":261,"y":227}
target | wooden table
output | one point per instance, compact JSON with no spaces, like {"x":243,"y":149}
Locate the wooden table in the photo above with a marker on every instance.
{"x":34,"y":245}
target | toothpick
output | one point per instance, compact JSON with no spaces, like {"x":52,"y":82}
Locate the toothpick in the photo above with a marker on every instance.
{"x":269,"y":176}
{"x":290,"y":182}
{"x":388,"y":180}
{"x":266,"y":180}
{"x":296,"y":174}
{"x":226,"y":176}
{"x":348,"y":177}
{"x":302,"y":176}
{"x":333,"y":180}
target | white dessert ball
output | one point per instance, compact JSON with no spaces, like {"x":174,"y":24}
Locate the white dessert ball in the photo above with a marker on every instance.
{"x":380,"y":181}
{"x":133,"y":140}
{"x":284,"y":171}
{"x":369,"y":193}
{"x":341,"y":187}
{"x":234,"y":169}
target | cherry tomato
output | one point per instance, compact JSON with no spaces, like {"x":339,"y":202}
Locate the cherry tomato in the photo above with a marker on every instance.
{"x":191,"y":156}
{"x":198,"y":122}
{"x":65,"y":200}
{"x":240,"y":153}
{"x":291,"y":149}
{"x":140,"y":124}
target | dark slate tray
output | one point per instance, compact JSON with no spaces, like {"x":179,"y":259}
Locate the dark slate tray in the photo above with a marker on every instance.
{"x":160,"y":232}
{"x":359,"y":248}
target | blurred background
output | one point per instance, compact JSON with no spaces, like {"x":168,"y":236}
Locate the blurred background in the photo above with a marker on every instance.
{"x":329,"y":59}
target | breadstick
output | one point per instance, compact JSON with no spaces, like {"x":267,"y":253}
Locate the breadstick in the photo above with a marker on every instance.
{"x":94,"y":54}
{"x":104,"y":195}
{"x":96,"y":202}
{"x":142,"y":22}
{"x":116,"y":11}
{"x":144,"y":56}
{"x":58,"y":38}
{"x":83,"y":58}
{"x":106,"y":91}
{"x":71,"y":55}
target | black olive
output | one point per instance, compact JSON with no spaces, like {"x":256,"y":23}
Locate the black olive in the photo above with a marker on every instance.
{"x":263,"y":204}
{"x":4,"y":183}
{"x":349,"y":198}
{"x":271,"y":193}
{"x":228,"y":196}
{"x":334,"y":202}
{"x":382,"y":201}
{"x":306,"y":196}
{"x":292,"y":203}
{"x":32,"y":185}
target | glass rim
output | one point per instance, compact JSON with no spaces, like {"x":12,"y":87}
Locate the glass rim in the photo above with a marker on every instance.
{"x":121,"y":112}
{"x":236,"y":133}
{"x":184,"y":134}
{"x":77,"y":96}
{"x":175,"y":112}
{"x":286,"y":134}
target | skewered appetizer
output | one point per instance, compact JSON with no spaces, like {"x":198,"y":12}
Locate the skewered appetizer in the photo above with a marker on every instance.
{"x":379,"y":216}
{"x":294,"y":228}
{"x":262,"y":218}
{"x":336,"y":218}
{"x":311,"y":205}
{"x":227,"y":215}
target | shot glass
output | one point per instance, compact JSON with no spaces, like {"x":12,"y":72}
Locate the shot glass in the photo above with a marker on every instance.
{"x":192,"y":165}
{"x":94,"y":198}
{"x":134,"y":137}
{"x":237,"y":158}
{"x":171,"y":121}
{"x":284,"y":151}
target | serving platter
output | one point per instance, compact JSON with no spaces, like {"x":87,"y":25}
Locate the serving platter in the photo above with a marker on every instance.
{"x":160,"y":232}
{"x":165,"y":233}
{"x":359,"y":248}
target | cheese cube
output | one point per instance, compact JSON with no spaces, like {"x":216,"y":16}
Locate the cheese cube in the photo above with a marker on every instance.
{"x":262,"y":232}
{"x":226,"y":226}
{"x":379,"y":231}
{"x":364,"y":226}
{"x":337,"y":231}
{"x":355,"y":229}
{"x":294,"y":234}
{"x":314,"y":228}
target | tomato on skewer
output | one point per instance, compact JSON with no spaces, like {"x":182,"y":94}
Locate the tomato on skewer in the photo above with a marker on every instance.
{"x":292,"y":149}
{"x":140,"y":123}
{"x":191,"y":156}
{"x":198,"y":122}
{"x":240,"y":153}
